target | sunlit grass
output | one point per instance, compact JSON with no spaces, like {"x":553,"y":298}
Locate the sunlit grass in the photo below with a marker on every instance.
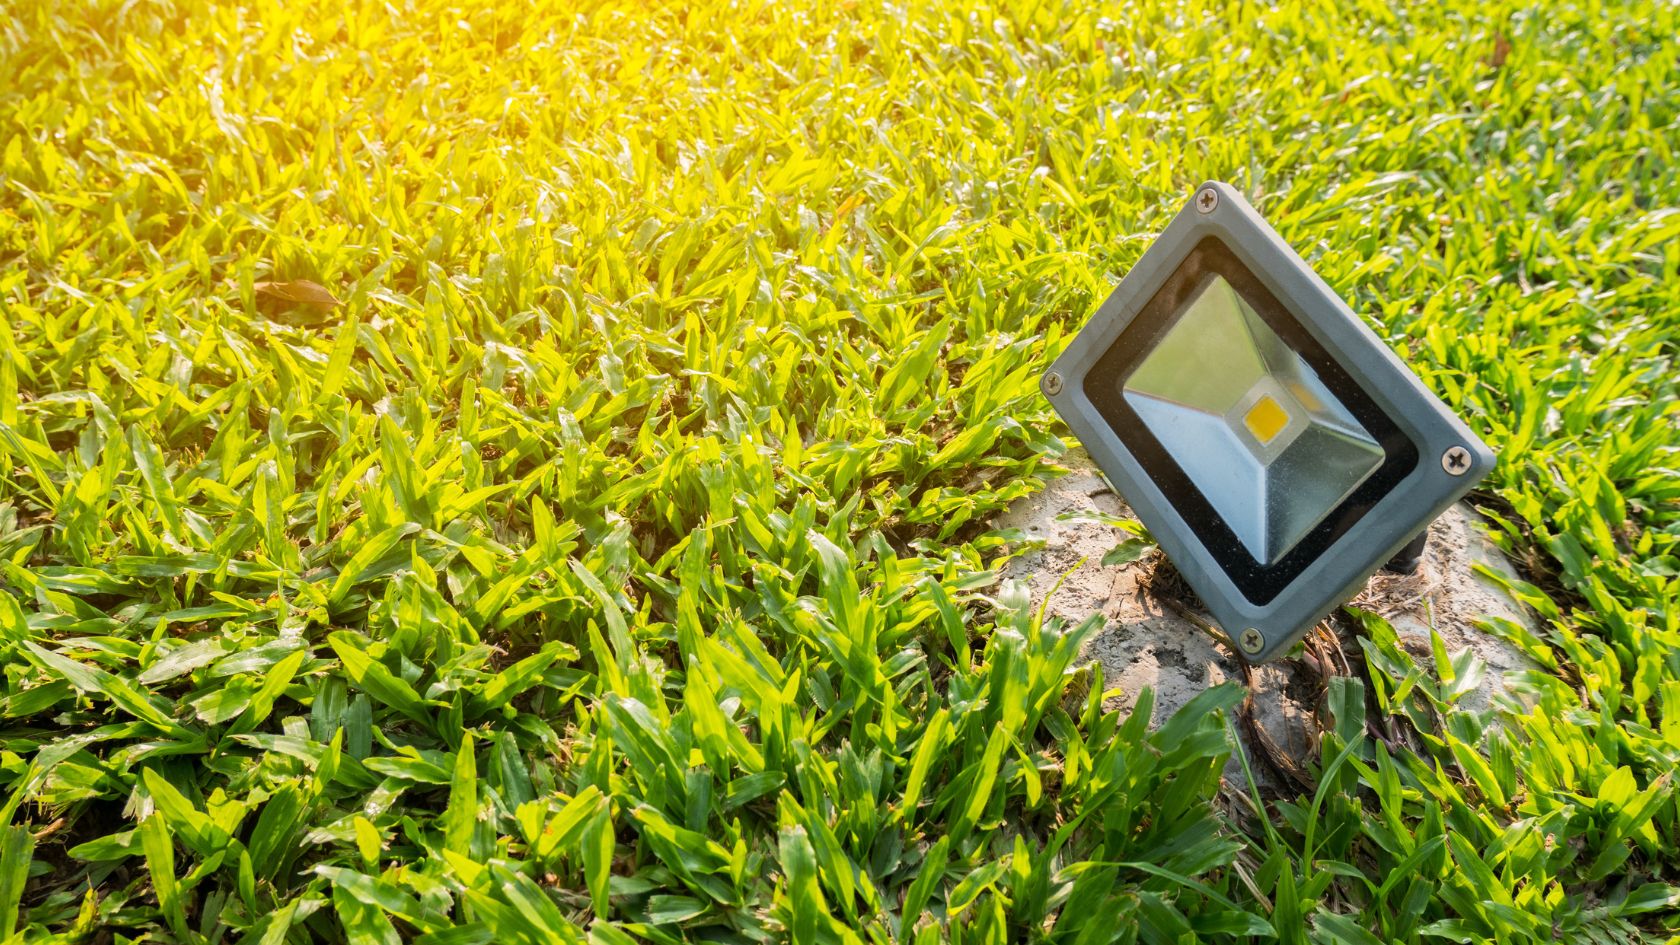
{"x":611,"y":561}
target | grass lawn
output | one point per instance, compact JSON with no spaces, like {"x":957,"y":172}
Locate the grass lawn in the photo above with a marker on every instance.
{"x":611,"y":561}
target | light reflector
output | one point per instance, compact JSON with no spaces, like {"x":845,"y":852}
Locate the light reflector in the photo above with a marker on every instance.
{"x":1250,"y":422}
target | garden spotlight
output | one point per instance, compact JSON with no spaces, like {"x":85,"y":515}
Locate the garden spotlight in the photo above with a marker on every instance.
{"x":1277,"y":450}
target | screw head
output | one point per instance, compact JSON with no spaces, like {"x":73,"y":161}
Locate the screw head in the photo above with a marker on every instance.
{"x":1052,"y":383}
{"x":1251,"y":641}
{"x":1207,"y":200}
{"x":1456,"y":461}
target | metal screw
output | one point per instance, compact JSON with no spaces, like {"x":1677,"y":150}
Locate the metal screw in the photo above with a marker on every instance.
{"x":1052,"y":383}
{"x":1251,"y":641}
{"x":1456,"y":461}
{"x":1207,"y":200}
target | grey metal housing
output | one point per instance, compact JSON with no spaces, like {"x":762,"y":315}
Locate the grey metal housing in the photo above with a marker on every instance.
{"x":1342,"y":570}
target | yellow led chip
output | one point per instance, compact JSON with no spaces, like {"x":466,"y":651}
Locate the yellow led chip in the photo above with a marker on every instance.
{"x":1266,"y":419}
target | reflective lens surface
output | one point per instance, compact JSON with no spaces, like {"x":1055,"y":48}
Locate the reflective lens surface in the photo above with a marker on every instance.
{"x":1250,"y":422}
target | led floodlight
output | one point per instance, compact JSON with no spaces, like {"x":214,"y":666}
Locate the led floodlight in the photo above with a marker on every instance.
{"x":1274,"y":446}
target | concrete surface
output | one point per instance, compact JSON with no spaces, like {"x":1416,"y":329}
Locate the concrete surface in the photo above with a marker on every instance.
{"x":1154,"y":635}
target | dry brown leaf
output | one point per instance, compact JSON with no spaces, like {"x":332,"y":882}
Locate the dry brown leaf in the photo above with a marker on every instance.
{"x":1501,"y":51}
{"x":844,"y":210}
{"x":849,"y":204}
{"x":298,"y":290}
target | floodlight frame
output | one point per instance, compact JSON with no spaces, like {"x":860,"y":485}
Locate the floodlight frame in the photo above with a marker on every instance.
{"x":1411,"y":497}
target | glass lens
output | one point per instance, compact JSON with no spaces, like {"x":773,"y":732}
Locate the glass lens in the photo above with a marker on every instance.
{"x":1250,"y":422}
